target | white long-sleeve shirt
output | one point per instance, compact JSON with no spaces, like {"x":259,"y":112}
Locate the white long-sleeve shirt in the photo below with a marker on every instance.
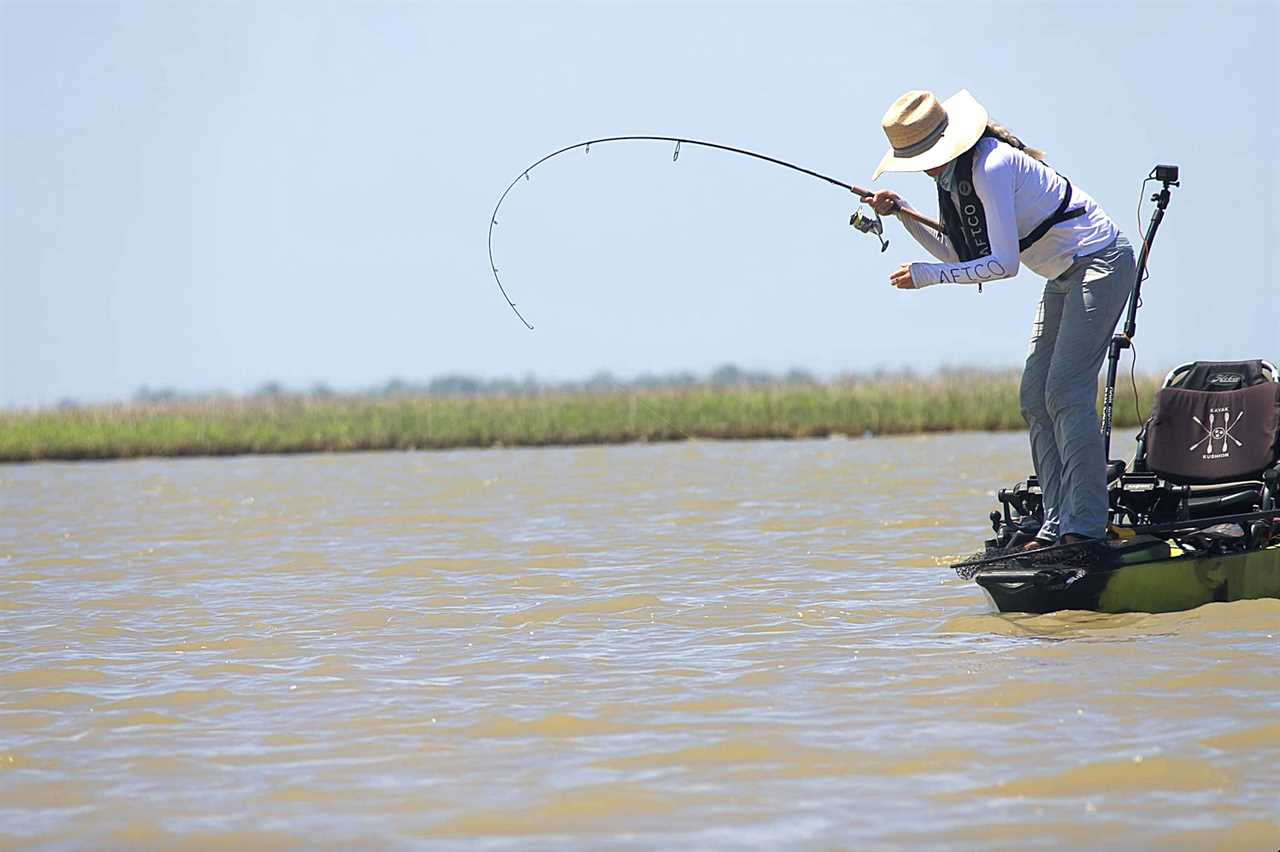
{"x":1017,"y":192}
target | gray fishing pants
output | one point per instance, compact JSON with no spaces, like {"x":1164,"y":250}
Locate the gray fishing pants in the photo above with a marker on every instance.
{"x":1059,"y":393}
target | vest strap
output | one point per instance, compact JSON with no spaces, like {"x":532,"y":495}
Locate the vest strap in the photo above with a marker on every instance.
{"x":966,"y":225}
{"x":1060,"y":215}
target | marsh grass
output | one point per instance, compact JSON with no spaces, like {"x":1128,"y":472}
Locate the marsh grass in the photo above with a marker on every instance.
{"x":233,"y":427}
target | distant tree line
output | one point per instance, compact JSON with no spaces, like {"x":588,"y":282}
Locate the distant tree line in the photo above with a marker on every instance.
{"x":457,"y":385}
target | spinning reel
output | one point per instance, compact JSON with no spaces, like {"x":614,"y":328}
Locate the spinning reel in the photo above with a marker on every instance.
{"x":868,"y":225}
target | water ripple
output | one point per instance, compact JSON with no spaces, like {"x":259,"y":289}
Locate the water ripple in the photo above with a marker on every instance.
{"x":694,"y":645}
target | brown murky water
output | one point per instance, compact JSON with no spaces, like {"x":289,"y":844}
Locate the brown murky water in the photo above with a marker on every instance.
{"x":711,"y":645}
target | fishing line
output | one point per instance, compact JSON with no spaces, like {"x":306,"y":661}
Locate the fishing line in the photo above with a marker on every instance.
{"x":638,"y":399}
{"x":863,"y":223}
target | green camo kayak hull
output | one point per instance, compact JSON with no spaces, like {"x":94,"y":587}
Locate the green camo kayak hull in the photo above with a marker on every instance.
{"x":1167,"y":585}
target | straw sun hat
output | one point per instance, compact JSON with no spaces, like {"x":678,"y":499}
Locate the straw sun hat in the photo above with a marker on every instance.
{"x":925,"y":133}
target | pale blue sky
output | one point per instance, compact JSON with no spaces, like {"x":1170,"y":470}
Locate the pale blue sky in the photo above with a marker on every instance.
{"x":212,"y":196}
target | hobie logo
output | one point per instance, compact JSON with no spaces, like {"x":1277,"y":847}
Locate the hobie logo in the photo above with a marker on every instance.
{"x":1217,"y":432}
{"x":1231,"y":380}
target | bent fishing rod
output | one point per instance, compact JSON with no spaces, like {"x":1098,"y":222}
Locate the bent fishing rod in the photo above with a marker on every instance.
{"x":865,"y":224}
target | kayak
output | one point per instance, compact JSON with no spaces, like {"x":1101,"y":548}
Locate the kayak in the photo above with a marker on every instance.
{"x":1193,"y":519}
{"x":1130,"y":583}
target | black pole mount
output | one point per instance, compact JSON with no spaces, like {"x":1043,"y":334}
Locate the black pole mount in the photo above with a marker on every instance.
{"x":1168,"y":176}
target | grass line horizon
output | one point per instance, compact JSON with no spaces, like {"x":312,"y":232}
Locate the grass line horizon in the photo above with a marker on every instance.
{"x":285,"y":425}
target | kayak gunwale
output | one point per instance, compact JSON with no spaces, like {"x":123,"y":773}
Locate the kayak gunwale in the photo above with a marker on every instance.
{"x":1174,"y":584}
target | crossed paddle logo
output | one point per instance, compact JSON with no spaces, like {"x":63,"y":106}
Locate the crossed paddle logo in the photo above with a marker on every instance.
{"x":1217,"y":432}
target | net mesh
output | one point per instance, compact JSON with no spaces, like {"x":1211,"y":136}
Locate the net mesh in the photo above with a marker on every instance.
{"x":1083,"y":554}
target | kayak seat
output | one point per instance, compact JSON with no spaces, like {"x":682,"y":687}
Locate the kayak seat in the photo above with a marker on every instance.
{"x":1211,"y":446}
{"x":1213,"y":422}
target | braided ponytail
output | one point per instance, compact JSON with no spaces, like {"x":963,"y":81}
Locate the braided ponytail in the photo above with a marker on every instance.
{"x":999,"y":131}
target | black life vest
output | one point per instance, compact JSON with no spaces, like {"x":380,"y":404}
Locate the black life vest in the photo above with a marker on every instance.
{"x":966,"y":225}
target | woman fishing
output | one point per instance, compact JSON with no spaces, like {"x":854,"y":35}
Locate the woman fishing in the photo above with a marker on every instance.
{"x":1001,"y":206}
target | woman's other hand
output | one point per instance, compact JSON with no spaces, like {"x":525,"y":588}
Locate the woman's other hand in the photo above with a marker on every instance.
{"x":902,"y":278}
{"x":883,"y":202}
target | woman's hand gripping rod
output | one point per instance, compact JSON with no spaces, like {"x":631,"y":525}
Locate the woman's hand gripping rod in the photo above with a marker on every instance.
{"x":886,"y":203}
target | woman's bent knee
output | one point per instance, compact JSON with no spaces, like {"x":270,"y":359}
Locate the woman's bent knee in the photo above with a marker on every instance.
{"x":1062,"y":397}
{"x":1031,"y":400}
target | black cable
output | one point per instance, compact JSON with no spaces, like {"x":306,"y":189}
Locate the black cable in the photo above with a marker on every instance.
{"x":493,"y":220}
{"x":1133,"y":366}
{"x":1146,"y":273}
{"x":1142,"y":194}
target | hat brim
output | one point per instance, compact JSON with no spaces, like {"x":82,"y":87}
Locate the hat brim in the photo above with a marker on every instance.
{"x":966,"y":122}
